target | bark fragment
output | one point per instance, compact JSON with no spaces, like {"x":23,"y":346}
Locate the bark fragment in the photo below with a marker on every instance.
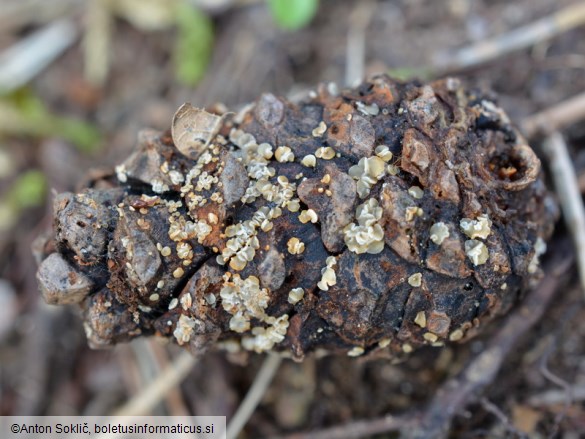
{"x":60,"y":283}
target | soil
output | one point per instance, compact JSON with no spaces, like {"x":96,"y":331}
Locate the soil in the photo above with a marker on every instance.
{"x":47,"y":367}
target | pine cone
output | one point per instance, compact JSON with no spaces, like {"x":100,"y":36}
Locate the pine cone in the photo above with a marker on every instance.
{"x":372,"y":220}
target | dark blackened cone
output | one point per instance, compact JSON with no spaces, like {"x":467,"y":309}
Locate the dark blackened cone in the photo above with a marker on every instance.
{"x":374,"y":220}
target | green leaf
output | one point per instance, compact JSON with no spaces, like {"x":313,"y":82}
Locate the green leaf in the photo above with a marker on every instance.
{"x":22,"y":113}
{"x":83,"y":135}
{"x":293,"y":14}
{"x":28,"y":190}
{"x":194,"y":44}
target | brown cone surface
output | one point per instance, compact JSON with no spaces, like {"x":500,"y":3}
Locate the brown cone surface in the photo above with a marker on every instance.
{"x":371,"y":220}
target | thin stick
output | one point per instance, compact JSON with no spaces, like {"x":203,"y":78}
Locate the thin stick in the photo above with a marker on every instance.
{"x":15,"y":14}
{"x":143,"y":402}
{"x":30,"y":56}
{"x":495,"y":410}
{"x":97,"y":42}
{"x":554,"y":397}
{"x":548,"y":374}
{"x":254,"y":395}
{"x":555,"y":118}
{"x":151,"y":357}
{"x":525,"y":36}
{"x":174,"y":399}
{"x":567,"y":188}
{"x":355,"y":55}
{"x":358,"y":429}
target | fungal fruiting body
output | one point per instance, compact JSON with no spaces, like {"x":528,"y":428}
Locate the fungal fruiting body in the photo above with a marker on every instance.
{"x":372,"y":220}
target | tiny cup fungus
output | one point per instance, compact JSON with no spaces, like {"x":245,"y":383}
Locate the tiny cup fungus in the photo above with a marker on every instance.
{"x":371,"y":220}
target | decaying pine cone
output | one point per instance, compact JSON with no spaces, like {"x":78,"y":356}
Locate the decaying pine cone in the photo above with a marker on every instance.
{"x":372,"y":220}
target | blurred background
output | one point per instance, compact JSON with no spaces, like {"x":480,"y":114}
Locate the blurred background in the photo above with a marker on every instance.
{"x":80,"y":78}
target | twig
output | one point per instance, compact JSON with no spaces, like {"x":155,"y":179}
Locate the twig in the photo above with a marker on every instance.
{"x":96,"y":41}
{"x":27,"y":58}
{"x":35,"y":372}
{"x":218,"y":6}
{"x":143,"y":402}
{"x":548,"y":374}
{"x":129,"y":370}
{"x":525,"y":36}
{"x":567,"y":188}
{"x":254,"y":396}
{"x":554,"y":397}
{"x":355,"y":56}
{"x":358,"y":429}
{"x":556,"y":117}
{"x":18,"y":13}
{"x":581,"y":181}
{"x":174,"y":399}
{"x":151,"y":358}
{"x":464,"y":388}
{"x":495,"y":410}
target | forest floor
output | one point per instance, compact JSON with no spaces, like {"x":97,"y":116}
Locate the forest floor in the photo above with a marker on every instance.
{"x":45,"y":365}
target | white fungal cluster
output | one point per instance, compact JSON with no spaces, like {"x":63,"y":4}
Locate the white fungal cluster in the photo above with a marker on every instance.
{"x":439,"y":232}
{"x":480,"y":228}
{"x":241,"y":246}
{"x":539,"y":250}
{"x":121,"y":173}
{"x":185,"y":328}
{"x":368,"y":110}
{"x":256,"y":159}
{"x":248,"y":148}
{"x":284,"y":154}
{"x":158,"y":186}
{"x":421,"y":319}
{"x":184,"y":250}
{"x":328,"y":277}
{"x":476,"y":228}
{"x":476,"y":251}
{"x":264,"y":339}
{"x":308,"y":215}
{"x":296,"y":295}
{"x":367,"y":236}
{"x":181,"y":229}
{"x":176,"y":177}
{"x":367,"y":172}
{"x":415,"y":192}
{"x":196,"y":181}
{"x":243,"y":241}
{"x":325,"y":153}
{"x":295,"y":246}
{"x":415,"y":280}
{"x":309,"y":161}
{"x":244,"y":299}
{"x":186,"y":301}
{"x":319,"y":130}
{"x":384,"y":153}
{"x":356,"y":351}
{"x":411,"y":212}
{"x":281,"y":193}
